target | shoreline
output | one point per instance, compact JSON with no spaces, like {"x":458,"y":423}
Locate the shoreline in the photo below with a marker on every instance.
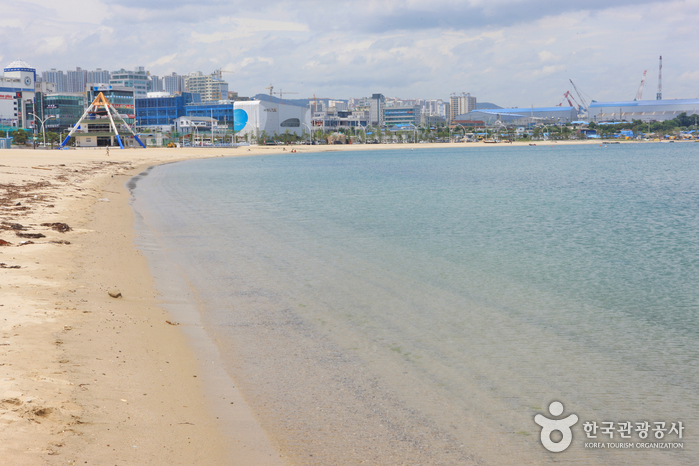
{"x":85,"y":377}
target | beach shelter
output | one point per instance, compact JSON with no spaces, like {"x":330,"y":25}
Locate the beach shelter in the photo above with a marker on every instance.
{"x":98,"y":109}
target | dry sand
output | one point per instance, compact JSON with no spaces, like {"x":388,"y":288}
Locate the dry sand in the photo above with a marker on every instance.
{"x":86,"y":378}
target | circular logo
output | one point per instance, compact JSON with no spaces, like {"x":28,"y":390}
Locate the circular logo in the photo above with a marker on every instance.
{"x":548,"y":426}
{"x":241,"y":119}
{"x":27,"y":81}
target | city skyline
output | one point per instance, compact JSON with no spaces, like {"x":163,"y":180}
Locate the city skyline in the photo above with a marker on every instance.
{"x":506,"y":52}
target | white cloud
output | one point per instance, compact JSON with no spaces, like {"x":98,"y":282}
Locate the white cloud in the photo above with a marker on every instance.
{"x":164,"y":60}
{"x":509,"y":52}
{"x":690,"y":76}
{"x":546,"y":56}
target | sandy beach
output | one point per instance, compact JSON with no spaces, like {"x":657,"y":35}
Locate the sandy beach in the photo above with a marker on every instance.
{"x":87,"y":378}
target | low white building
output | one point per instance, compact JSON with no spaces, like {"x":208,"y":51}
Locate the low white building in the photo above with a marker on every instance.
{"x":195,"y":124}
{"x":255,"y":116}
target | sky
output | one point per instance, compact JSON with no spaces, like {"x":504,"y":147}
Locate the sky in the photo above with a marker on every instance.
{"x":513,"y":53}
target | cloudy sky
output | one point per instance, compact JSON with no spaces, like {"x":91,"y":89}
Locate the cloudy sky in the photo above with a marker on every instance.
{"x":509,"y":52}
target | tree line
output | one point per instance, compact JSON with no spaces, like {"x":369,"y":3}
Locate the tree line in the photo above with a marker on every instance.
{"x":681,"y":122}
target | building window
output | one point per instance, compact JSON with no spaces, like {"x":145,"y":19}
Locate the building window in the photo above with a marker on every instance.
{"x":291,"y":123}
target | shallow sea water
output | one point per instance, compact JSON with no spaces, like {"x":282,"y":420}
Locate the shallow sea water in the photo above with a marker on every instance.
{"x":421,"y":307}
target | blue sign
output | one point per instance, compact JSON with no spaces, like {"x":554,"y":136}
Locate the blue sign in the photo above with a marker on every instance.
{"x":241,"y":119}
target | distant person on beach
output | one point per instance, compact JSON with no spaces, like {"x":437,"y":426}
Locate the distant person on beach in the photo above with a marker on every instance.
{"x":107,"y":151}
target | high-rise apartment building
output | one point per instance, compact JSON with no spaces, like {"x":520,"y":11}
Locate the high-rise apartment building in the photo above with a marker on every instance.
{"x":76,"y":80}
{"x":460,"y":104}
{"x":156,"y":84}
{"x":377,"y":103}
{"x":173,"y":84}
{"x":55,"y":76}
{"x":434,"y":107}
{"x":98,"y":76}
{"x":210,"y":87}
{"x":339,"y":105}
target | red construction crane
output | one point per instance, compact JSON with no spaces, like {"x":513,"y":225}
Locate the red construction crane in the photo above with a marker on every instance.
{"x":639,"y":94}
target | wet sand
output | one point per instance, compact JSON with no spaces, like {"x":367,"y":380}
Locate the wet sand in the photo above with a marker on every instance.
{"x":88,"y":378}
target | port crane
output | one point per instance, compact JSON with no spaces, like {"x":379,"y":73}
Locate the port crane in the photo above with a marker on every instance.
{"x":568,"y":96}
{"x":639,"y":94}
{"x":582,"y":100}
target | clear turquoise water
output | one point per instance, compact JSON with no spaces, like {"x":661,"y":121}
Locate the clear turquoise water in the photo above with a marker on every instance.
{"x":464,"y":288}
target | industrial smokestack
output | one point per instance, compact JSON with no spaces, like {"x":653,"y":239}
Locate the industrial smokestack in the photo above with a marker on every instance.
{"x":659,"y":95}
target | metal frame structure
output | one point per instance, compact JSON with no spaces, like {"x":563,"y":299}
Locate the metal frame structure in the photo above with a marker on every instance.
{"x":97,"y":104}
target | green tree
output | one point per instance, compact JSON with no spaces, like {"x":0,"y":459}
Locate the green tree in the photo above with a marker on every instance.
{"x":51,"y":138}
{"x":20,"y":137}
{"x":683,"y":120}
{"x":319,"y":136}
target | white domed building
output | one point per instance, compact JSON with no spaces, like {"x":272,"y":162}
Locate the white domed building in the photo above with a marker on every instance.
{"x":17,"y":95}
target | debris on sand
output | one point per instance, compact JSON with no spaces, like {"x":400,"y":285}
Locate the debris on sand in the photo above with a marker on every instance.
{"x":60,"y":227}
{"x":11,"y":226}
{"x":114,"y":293}
{"x":30,"y":235}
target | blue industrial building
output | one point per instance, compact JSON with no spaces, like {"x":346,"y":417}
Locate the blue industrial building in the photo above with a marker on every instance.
{"x":220,"y":110}
{"x":163,"y":111}
{"x":517,"y":116}
{"x":644,"y":110}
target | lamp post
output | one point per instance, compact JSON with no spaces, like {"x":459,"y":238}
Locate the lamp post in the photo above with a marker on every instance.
{"x":196,"y":134}
{"x":212,"y":127}
{"x":462,"y":127}
{"x":310,"y":134}
{"x":359,"y":126}
{"x":499,"y":124}
{"x":451,"y":130}
{"x":42,"y":125}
